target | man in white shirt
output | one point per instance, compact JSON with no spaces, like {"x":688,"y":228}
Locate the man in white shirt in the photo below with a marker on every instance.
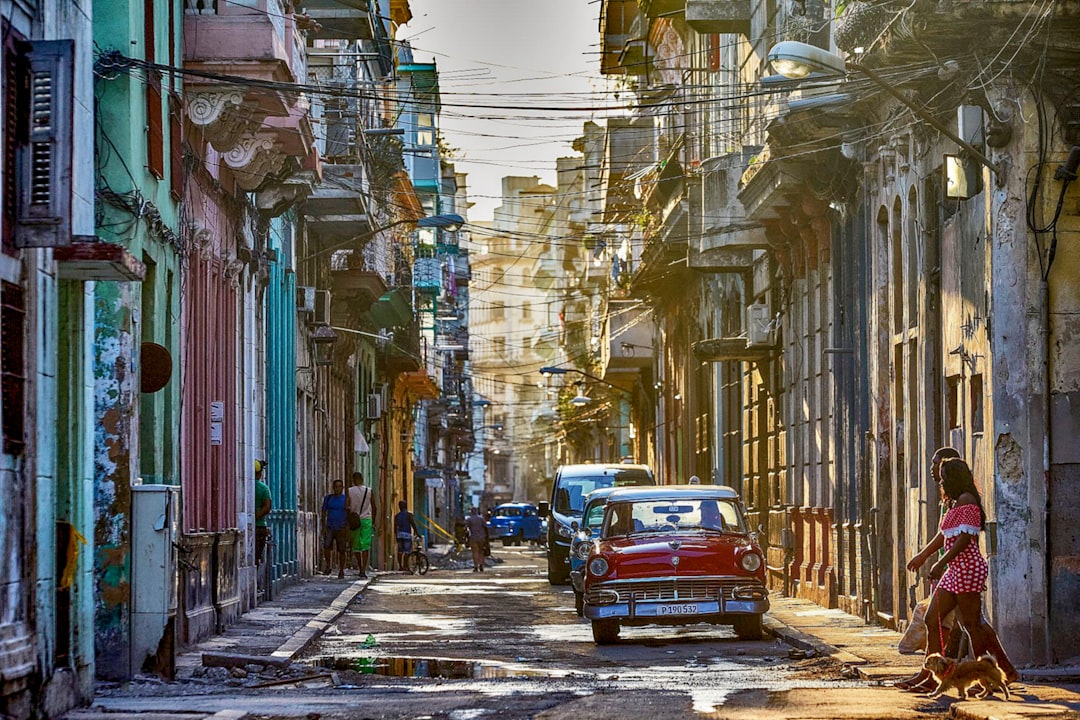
{"x":360,"y":500}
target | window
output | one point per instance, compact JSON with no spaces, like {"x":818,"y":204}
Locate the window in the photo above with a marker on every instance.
{"x":498,"y":310}
{"x":14,"y":129}
{"x":155,"y":134}
{"x":425,"y":129}
{"x":13,"y":365}
{"x":526,"y":311}
{"x":976,"y":403}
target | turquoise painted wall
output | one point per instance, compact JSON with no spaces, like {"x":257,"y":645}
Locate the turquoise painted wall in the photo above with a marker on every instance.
{"x":281,"y":399}
{"x":135,"y":435}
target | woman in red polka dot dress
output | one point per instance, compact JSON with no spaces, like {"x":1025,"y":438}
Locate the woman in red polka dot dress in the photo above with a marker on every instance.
{"x":962,"y":571}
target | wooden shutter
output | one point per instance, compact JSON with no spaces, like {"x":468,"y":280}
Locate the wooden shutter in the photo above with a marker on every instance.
{"x":176,"y":148}
{"x":45,"y":164}
{"x":13,"y":366}
{"x":155,"y":134}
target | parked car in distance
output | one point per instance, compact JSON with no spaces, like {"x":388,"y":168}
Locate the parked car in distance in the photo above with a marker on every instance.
{"x":674,"y":555}
{"x":572,"y":483}
{"x":584,"y":538}
{"x":514,"y":523}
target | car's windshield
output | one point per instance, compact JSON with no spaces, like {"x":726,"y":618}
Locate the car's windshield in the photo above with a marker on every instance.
{"x":570,"y":496}
{"x":508,"y":512}
{"x":661,"y":516}
{"x":594,"y":515}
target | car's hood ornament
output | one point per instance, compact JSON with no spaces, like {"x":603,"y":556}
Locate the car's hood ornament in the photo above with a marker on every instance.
{"x":675,"y":544}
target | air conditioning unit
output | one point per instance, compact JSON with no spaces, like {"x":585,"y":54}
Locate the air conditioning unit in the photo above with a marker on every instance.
{"x":759,"y":327}
{"x":374,"y":406}
{"x":321,"y":315}
{"x":305,"y":299}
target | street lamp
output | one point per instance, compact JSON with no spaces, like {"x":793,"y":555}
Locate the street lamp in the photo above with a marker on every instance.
{"x":322,"y":345}
{"x":451,"y":222}
{"x":551,"y":370}
{"x":799,"y":60}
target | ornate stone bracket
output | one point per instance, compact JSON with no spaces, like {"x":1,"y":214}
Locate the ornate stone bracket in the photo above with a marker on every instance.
{"x":224,"y":116}
{"x":253,"y":158}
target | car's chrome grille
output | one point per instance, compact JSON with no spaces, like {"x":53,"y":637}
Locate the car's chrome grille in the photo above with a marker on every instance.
{"x":670,"y":589}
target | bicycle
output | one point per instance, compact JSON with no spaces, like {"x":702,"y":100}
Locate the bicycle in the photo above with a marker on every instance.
{"x":416,"y":562}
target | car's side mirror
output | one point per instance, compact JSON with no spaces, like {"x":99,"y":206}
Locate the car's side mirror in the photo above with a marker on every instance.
{"x":588,"y":532}
{"x":574,"y":526}
{"x":543,"y":509}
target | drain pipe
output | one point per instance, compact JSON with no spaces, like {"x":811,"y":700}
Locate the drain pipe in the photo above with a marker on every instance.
{"x":1044,"y":347}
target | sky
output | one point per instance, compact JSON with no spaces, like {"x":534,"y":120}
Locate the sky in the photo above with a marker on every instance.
{"x":539,"y":56}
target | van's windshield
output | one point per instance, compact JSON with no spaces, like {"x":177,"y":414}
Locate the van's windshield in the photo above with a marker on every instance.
{"x":570,"y":494}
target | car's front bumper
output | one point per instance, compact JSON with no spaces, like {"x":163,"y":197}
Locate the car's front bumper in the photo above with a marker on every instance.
{"x":676,"y":599}
{"x":577,"y":579}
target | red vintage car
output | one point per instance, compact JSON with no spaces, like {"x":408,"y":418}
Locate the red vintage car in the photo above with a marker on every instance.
{"x":674,"y":555}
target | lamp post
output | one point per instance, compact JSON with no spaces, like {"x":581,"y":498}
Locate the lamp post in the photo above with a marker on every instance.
{"x":450,"y":222}
{"x":799,"y":60}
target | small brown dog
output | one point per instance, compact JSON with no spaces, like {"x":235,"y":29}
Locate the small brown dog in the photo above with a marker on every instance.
{"x":965,"y":675}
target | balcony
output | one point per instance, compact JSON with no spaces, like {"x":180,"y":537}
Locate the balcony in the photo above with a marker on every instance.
{"x":340,"y":19}
{"x":256,"y":129}
{"x":660,"y":8}
{"x":360,"y":287}
{"x":392,"y":309}
{"x":403,"y":354}
{"x":616,"y":19}
{"x":336,"y":210}
{"x":719,"y":16}
{"x":427,"y":275}
{"x":629,"y":338}
{"x":728,"y":239}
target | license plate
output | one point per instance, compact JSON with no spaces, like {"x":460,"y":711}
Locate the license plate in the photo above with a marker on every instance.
{"x":681,"y":609}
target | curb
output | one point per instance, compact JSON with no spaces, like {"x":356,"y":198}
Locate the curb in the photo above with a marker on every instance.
{"x":805,"y":641}
{"x":303,"y":638}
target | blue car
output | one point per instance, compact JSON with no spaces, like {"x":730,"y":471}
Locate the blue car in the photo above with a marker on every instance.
{"x":592,"y":517}
{"x":514,"y":523}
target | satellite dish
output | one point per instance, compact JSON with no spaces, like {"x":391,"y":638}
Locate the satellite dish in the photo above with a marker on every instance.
{"x":156,"y":367}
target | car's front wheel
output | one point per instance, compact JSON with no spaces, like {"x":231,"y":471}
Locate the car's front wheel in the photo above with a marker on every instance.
{"x":605,"y":632}
{"x":558,"y":574}
{"x":748,"y":627}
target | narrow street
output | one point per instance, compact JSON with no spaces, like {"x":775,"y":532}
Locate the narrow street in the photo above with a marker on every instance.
{"x":459,"y":645}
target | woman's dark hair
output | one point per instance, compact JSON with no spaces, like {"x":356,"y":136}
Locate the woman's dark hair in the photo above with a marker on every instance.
{"x":402,"y":504}
{"x":956,"y":479}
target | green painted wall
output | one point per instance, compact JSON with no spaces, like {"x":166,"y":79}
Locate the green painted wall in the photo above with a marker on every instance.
{"x":135,"y":435}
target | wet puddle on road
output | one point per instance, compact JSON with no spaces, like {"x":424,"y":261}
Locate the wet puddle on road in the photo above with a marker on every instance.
{"x":430,"y":668}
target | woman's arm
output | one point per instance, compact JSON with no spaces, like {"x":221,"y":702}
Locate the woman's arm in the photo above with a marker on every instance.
{"x":962,"y":541}
{"x":932,"y":547}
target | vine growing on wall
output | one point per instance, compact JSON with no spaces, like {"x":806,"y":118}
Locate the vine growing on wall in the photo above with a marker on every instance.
{"x":386,"y":159}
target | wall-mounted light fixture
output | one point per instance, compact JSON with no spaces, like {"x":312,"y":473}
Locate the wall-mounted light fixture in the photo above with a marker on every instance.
{"x":799,"y":61}
{"x":322,"y":345}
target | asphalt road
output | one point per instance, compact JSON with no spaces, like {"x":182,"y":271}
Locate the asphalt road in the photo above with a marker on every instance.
{"x":504,"y":644}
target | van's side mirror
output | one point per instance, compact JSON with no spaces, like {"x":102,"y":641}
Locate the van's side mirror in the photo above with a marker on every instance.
{"x":543,"y":509}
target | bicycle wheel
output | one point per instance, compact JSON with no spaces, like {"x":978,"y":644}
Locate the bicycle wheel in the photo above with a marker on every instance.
{"x":419,"y":563}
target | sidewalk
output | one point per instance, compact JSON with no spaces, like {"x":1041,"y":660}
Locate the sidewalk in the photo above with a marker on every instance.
{"x":870,"y":651}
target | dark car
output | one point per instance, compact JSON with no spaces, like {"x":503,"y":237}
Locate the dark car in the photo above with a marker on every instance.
{"x":514,"y":523}
{"x":674,"y":555}
{"x":572,"y":483}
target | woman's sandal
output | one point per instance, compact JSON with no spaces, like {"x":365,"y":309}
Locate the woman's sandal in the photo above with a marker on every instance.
{"x":910,"y":682}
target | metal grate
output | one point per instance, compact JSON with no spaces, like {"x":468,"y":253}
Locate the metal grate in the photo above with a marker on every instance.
{"x":699,"y":588}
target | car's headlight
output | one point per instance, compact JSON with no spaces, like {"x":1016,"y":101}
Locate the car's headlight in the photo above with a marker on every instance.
{"x":583,"y":549}
{"x":750,"y":561}
{"x":565,"y":531}
{"x":598,"y":567}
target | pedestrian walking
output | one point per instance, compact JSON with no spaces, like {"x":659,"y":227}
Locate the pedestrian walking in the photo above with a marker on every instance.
{"x":478,"y":538}
{"x":962,"y":571}
{"x":361,"y":502}
{"x":923,"y":681}
{"x":263,"y":505}
{"x":404,"y":528}
{"x":336,"y":536}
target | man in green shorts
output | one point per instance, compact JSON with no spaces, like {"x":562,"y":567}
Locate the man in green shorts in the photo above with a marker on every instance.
{"x":361,"y":502}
